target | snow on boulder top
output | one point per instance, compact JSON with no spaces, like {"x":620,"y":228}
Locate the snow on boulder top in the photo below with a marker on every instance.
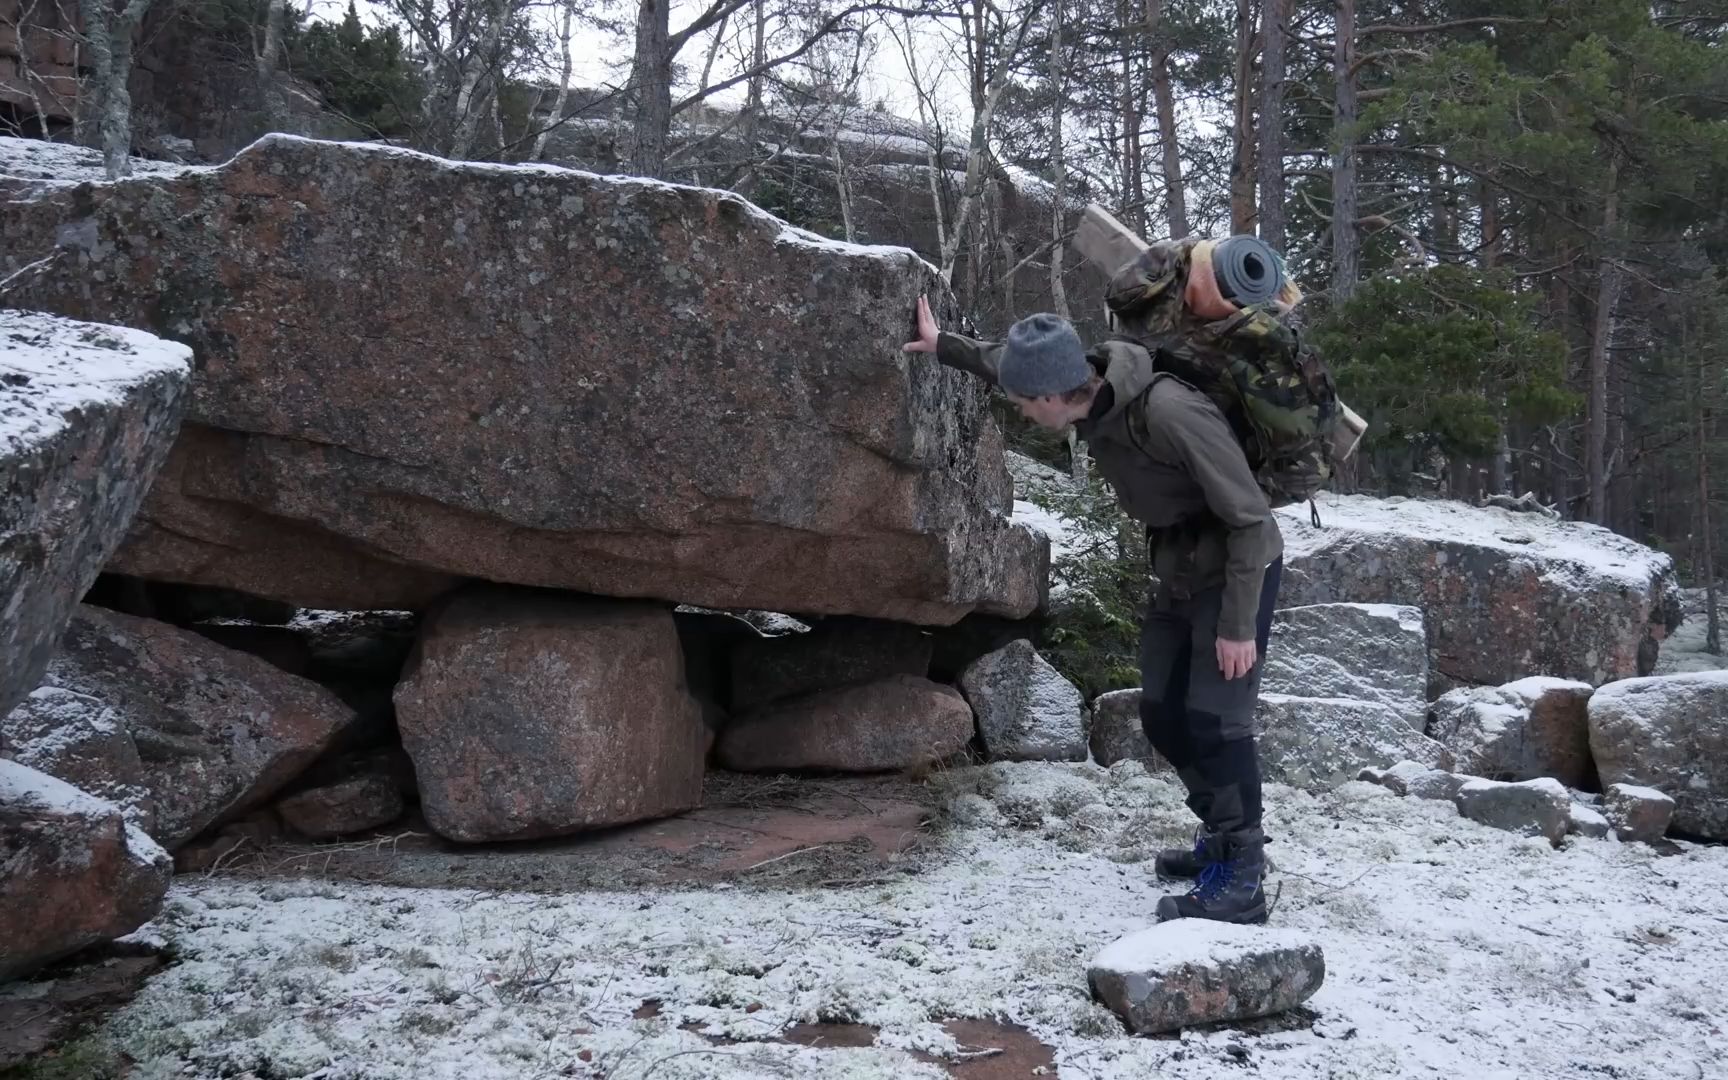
{"x":61,"y":163}
{"x":1588,"y":547}
{"x":1192,"y":942}
{"x":24,"y":787}
{"x":1660,"y":684}
{"x":50,"y":367}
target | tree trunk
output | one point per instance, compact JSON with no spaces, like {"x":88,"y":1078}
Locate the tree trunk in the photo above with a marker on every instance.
{"x":651,"y":81}
{"x":1345,"y":242}
{"x":1601,"y":330}
{"x":1271,"y":176}
{"x":1707,"y":556}
{"x":480,"y":65}
{"x":1058,"y":168}
{"x":753,"y":97}
{"x":1175,"y":195}
{"x":1133,"y":159}
{"x":109,"y":34}
{"x":1242,"y":157}
{"x":269,"y":101}
{"x":557,"y":117}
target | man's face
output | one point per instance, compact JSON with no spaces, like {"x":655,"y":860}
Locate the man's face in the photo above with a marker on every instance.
{"x":1048,"y":412}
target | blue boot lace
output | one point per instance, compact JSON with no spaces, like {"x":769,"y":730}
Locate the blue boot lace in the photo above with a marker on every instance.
{"x":1214,"y":879}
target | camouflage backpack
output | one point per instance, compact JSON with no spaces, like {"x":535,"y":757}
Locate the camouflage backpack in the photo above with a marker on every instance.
{"x":1269,"y":382}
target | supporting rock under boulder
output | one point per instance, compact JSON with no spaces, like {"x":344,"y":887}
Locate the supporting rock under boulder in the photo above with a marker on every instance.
{"x":1524,"y":730}
{"x":413,"y":371}
{"x":535,"y":714}
{"x":1193,"y":971}
{"x":1026,"y":710}
{"x":1668,"y":733}
{"x":834,"y":653}
{"x":87,"y":414}
{"x":895,"y":723}
{"x":1507,"y":595}
{"x":75,"y":872}
{"x":1117,"y":734}
{"x":205,"y":732}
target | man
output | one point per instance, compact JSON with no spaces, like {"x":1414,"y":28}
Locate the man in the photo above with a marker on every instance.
{"x":1171,"y":458}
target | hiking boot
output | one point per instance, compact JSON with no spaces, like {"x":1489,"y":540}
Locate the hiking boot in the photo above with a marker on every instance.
{"x":1177,"y":863}
{"x":1227,"y":889}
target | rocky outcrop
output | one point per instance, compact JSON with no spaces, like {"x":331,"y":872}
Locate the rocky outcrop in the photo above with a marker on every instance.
{"x":900,"y":722}
{"x":87,"y":414}
{"x":413,"y":371}
{"x":75,"y":871}
{"x":1524,"y":730}
{"x":530,"y":714}
{"x":1319,"y":743}
{"x":1364,"y":652}
{"x":1026,"y":710}
{"x":185,"y":732}
{"x":1192,"y":971}
{"x":1506,"y":595}
{"x":1669,"y":733}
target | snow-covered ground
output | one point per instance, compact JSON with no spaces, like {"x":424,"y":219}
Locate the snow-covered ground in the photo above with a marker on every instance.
{"x":1452,"y":950}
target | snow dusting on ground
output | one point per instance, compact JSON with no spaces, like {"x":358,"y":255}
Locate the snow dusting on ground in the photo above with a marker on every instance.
{"x":1452,"y":950}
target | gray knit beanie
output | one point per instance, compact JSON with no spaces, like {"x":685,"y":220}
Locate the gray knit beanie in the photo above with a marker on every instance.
{"x":1042,"y":356}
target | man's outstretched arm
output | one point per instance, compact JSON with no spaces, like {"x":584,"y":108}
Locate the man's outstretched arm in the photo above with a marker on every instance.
{"x":977,"y":357}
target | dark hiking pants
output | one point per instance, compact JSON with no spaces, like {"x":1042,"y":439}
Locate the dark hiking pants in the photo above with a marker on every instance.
{"x":1197,"y":720}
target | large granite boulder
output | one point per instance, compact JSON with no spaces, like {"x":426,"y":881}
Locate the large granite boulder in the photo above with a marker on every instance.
{"x":1363,"y":652}
{"x":1507,"y":595}
{"x":1670,"y":733}
{"x":75,"y":871}
{"x":1524,"y":730}
{"x":87,"y":414}
{"x":181,"y":732}
{"x":533,"y":714}
{"x":413,"y":371}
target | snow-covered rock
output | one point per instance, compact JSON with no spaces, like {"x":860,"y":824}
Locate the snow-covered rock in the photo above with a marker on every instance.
{"x":1582,"y":820}
{"x":1193,"y":971}
{"x":1415,"y":779}
{"x":73,"y":871}
{"x":414,"y":371}
{"x":1319,"y":743}
{"x":894,"y":723}
{"x":1637,"y":813}
{"x":1364,"y":652}
{"x":534,"y":714}
{"x":1026,"y":710}
{"x":184,"y":732}
{"x":1117,"y":734}
{"x":87,"y":415}
{"x":1669,"y":732}
{"x":1527,"y":729}
{"x":1531,"y":807}
{"x":1506,"y":595}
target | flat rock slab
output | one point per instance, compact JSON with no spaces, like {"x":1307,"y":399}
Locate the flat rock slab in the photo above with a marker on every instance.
{"x":413,"y":371}
{"x":899,"y":722}
{"x":1192,"y":971}
{"x":1364,"y":652}
{"x":87,"y":415}
{"x":1637,"y":813}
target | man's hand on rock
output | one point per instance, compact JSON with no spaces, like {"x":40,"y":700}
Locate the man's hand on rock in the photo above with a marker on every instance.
{"x":1236,"y":658}
{"x":927,"y":330}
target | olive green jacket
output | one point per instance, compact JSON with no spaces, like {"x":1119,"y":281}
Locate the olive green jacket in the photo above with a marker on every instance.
{"x":1175,"y":466}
